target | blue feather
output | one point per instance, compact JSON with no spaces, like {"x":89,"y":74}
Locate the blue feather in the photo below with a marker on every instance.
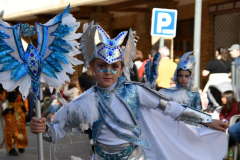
{"x":54,"y":63}
{"x":21,"y":72}
{"x":48,"y":69}
{"x":9,"y":65}
{"x":63,"y":43}
{"x":148,"y":70}
{"x":62,"y":31}
{"x":151,"y":70}
{"x":4,"y":35}
{"x":59,"y":56}
{"x":154,"y":68}
{"x":61,"y":15}
{"x":15,"y":70}
{"x":57,"y":47}
{"x":5,"y":59}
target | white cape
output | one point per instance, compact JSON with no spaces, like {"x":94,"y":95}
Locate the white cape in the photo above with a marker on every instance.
{"x":170,"y":140}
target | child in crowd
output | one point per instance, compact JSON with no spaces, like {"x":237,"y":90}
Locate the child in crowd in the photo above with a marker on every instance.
{"x":184,"y":93}
{"x":128,"y":119}
{"x":230,"y":106}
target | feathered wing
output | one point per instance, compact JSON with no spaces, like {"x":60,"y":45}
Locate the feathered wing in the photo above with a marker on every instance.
{"x":88,"y":45}
{"x":151,"y":70}
{"x":58,"y":52}
{"x":147,"y":71}
{"x":129,"y":54}
{"x":13,"y":71}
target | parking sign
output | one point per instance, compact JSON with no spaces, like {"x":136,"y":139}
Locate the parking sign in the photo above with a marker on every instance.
{"x":164,"y":22}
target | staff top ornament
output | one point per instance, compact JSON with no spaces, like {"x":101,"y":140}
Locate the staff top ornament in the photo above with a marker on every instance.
{"x":49,"y":62}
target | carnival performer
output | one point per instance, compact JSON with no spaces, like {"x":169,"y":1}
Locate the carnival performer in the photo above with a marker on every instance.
{"x":129,"y":120}
{"x":184,"y":93}
{"x":15,"y":127}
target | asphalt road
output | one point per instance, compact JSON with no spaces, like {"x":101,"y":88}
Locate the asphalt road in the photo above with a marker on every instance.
{"x":80,"y":147}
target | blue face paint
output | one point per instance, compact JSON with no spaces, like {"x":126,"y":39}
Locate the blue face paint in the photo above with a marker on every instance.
{"x":108,"y":70}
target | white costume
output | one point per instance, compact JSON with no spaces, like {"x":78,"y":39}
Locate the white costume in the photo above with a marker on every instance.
{"x":128,"y":119}
{"x":161,"y":137}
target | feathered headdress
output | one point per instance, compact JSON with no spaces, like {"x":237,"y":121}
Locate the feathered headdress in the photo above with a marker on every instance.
{"x":108,"y":49}
{"x":187,"y":62}
{"x":49,"y":62}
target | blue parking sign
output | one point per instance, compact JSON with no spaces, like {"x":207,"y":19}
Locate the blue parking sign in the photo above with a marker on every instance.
{"x":164,"y":22}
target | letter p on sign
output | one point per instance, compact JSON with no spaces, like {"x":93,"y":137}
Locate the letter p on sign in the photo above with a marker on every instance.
{"x":164,"y":22}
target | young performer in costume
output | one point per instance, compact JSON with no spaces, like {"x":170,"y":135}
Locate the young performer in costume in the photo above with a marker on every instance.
{"x":129,"y":120}
{"x":184,"y":93}
{"x":15,"y":126}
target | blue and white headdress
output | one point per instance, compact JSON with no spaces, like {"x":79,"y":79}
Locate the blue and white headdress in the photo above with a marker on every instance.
{"x":108,"y":49}
{"x":49,"y":62}
{"x":187,"y":62}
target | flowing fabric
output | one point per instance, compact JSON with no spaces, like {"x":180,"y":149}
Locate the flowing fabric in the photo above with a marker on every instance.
{"x":171,"y":140}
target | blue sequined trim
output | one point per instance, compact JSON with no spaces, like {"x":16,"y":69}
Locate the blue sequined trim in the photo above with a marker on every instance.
{"x":116,"y":156}
{"x":128,"y":95}
{"x":133,"y":139}
{"x":106,"y":107}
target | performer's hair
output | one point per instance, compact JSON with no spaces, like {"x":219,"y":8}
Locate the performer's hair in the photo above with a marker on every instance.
{"x":184,"y":70}
{"x":223,"y":52}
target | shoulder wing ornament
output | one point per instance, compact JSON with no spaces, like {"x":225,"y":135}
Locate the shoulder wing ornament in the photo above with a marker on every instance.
{"x":129,"y":53}
{"x":88,"y":45}
{"x":151,"y":70}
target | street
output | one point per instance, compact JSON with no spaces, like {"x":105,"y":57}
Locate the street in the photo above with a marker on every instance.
{"x":80,"y":147}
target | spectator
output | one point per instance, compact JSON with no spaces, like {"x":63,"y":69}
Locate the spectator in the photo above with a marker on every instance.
{"x":138,"y":59}
{"x":134,"y":72}
{"x":166,"y":69}
{"x":87,"y":80}
{"x":229,"y":106}
{"x":235,"y":53}
{"x":54,"y":108}
{"x":15,"y":127}
{"x":71,"y":91}
{"x":218,"y":69}
{"x":234,"y":132}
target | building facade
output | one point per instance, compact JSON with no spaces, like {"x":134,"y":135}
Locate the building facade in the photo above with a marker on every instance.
{"x":220,"y":24}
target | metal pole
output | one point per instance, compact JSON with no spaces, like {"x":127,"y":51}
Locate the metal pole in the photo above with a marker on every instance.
{"x":197,"y":40}
{"x":233,"y":73}
{"x":4,"y":132}
{"x":161,"y":42}
{"x":38,"y":115}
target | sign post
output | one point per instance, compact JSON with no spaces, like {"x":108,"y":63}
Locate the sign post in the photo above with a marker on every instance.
{"x":164,"y":23}
{"x":197,"y":40}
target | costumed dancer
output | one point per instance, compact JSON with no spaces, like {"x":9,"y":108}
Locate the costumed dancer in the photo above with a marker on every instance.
{"x":129,"y":120}
{"x":15,"y":126}
{"x":184,"y":93}
{"x":49,"y":62}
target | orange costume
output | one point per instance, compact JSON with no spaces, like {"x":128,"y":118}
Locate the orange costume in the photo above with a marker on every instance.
{"x":15,"y":127}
